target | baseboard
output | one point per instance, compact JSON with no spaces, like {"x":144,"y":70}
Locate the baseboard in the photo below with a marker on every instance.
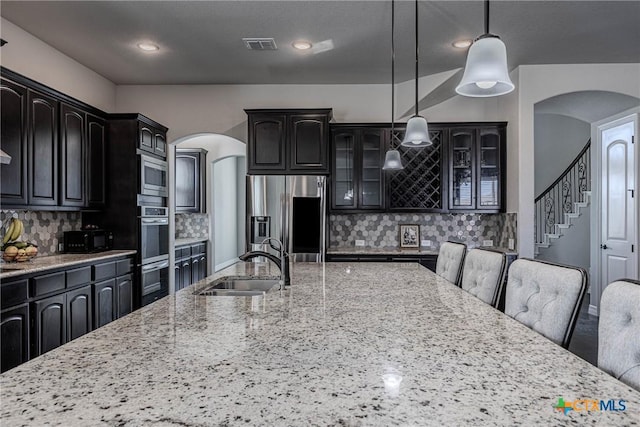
{"x":593,"y":310}
{"x":225,"y":264}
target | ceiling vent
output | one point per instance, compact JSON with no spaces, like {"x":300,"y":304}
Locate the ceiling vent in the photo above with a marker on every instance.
{"x":262,"y":43}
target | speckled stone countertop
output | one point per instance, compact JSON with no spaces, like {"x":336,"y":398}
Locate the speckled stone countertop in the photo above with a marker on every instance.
{"x":44,"y":263}
{"x":190,"y":241}
{"x":373,"y":344}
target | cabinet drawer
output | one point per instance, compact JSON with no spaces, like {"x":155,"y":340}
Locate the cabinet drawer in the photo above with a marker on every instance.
{"x":78,"y":276}
{"x":198,"y":248}
{"x":124,"y":266}
{"x":104,"y":271}
{"x":14,"y":293}
{"x":185,"y":252}
{"x":42,"y":285}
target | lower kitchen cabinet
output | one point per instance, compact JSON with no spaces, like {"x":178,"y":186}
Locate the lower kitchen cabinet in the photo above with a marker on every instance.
{"x":50,"y":324}
{"x":40,"y":312}
{"x":79,"y":319}
{"x":190,"y":265}
{"x":14,"y":331}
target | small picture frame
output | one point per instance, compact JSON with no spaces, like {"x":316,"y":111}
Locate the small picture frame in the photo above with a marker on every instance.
{"x":409,"y":236}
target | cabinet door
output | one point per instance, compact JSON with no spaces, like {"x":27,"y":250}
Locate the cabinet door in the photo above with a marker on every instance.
{"x":104,"y":302}
{"x":188,"y":182}
{"x":462,"y":172}
{"x":266,"y":148}
{"x":14,"y":335}
{"x":371,"y":185}
{"x":160,"y":144}
{"x":72,"y":155}
{"x":344,"y":194}
{"x":203,"y":266}
{"x":178,"y":275}
{"x":96,"y":162}
{"x":308,"y":142}
{"x":13,"y":141}
{"x":124,"y":292}
{"x":186,"y":273}
{"x":490,"y":171}
{"x":195,"y":269}
{"x":79,"y":313}
{"x":145,"y":138}
{"x":50,"y":324}
{"x":43,"y":150}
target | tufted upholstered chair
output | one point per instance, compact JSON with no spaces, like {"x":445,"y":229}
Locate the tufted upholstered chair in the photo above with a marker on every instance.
{"x":545,"y":297}
{"x":619,"y":331}
{"x":450,"y":261}
{"x":483,"y":274}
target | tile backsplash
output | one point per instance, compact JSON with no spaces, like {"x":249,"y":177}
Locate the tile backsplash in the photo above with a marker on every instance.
{"x":382,"y":230}
{"x":44,"y":228}
{"x":192,"y":225}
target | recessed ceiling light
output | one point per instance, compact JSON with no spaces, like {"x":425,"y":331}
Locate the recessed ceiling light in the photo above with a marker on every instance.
{"x":148,"y":47}
{"x":462,"y":44}
{"x":302,"y":45}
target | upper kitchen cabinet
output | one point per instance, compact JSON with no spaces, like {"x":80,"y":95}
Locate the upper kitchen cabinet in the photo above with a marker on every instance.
{"x":288,"y":141}
{"x":477,"y":168}
{"x":191,"y":180}
{"x":357,"y":156}
{"x":57,"y":147}
{"x":152,"y":139}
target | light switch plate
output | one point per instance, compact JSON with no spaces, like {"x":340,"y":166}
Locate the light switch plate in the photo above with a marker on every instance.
{"x":512,"y":244}
{"x":359,"y":242}
{"x":425,"y":243}
{"x":487,"y":243}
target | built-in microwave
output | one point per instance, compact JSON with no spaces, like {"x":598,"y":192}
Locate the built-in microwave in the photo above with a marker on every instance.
{"x":153,"y":176}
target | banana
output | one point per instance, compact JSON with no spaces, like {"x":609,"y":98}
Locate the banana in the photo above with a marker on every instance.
{"x":9,"y":232}
{"x":19,"y":229}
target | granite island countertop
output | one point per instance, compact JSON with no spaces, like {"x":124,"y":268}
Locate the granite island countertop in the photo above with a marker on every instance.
{"x":370,"y":344}
{"x":44,"y":263}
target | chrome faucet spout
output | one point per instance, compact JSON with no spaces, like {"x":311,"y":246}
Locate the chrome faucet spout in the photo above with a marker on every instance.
{"x":282,"y":261}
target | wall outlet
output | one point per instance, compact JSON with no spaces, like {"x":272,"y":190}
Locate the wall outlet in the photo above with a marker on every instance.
{"x":512,"y":244}
{"x":426,"y":243}
{"x":487,"y":243}
{"x":359,"y":242}
{"x":60,"y":247}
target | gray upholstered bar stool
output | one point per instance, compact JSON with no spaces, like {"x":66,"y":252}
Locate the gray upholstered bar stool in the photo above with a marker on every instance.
{"x":483,"y":274}
{"x":619,"y":331}
{"x":450,"y":261}
{"x":546,"y":297}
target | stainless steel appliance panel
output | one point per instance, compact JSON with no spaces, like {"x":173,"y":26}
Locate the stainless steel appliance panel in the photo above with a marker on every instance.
{"x":153,"y":176}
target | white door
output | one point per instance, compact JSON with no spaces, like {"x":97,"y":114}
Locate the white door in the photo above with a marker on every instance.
{"x":618,"y":243}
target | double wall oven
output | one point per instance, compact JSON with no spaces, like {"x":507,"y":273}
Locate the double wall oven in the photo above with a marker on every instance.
{"x":154,"y":252}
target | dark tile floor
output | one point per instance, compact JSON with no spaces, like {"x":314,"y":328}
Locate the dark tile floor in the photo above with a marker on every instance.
{"x":584,"y":341}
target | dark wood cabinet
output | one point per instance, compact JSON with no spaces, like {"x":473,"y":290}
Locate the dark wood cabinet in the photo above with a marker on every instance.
{"x":357,"y":156}
{"x":477,"y":168}
{"x":79,"y":312}
{"x":191,"y":264}
{"x":191,"y":180}
{"x":43,"y":150}
{"x":186,"y":272}
{"x":14,"y":336}
{"x":293,"y":141}
{"x":13,"y":141}
{"x":178,"y":275}
{"x":73,"y":151}
{"x":96,"y":162}
{"x":104,"y":302}
{"x":50,"y":324}
{"x":152,"y":140}
{"x":124,"y":292}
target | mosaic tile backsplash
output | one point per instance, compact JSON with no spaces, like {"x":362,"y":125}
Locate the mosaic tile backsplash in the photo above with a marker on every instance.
{"x":382,"y":230}
{"x":192,"y":226}
{"x":44,"y":228}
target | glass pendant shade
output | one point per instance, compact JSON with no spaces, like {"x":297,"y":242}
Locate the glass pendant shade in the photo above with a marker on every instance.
{"x":392,"y":161}
{"x":417,"y":134}
{"x":486,"y":73}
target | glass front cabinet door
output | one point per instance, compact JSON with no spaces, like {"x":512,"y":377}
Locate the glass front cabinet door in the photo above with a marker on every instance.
{"x":344,"y":192}
{"x":462,"y":194}
{"x":489,"y":169}
{"x":372,"y":157}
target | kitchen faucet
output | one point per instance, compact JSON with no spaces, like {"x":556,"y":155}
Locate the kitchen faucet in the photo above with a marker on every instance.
{"x":282,"y":261}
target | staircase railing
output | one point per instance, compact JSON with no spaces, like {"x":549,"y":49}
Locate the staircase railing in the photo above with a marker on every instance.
{"x":559,"y":197}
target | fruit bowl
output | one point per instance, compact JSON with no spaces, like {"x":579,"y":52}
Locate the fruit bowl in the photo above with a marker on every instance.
{"x":19,"y":251}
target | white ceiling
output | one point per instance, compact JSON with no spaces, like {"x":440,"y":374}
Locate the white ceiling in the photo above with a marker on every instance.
{"x":589,"y":106}
{"x":201,"y":41}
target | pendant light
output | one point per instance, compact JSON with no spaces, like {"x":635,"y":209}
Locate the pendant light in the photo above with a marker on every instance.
{"x":486,"y":73}
{"x":392,"y":159}
{"x":417,"y":133}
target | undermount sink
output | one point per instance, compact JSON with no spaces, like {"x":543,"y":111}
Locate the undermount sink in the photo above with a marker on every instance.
{"x":240,"y":287}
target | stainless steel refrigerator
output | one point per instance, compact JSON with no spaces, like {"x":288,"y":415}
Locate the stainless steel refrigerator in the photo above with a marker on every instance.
{"x":291,"y":209}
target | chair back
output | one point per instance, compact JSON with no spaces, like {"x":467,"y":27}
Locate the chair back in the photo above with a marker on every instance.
{"x":546,"y":297}
{"x":450,"y":261}
{"x":483,"y":274}
{"x":619,"y":331}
